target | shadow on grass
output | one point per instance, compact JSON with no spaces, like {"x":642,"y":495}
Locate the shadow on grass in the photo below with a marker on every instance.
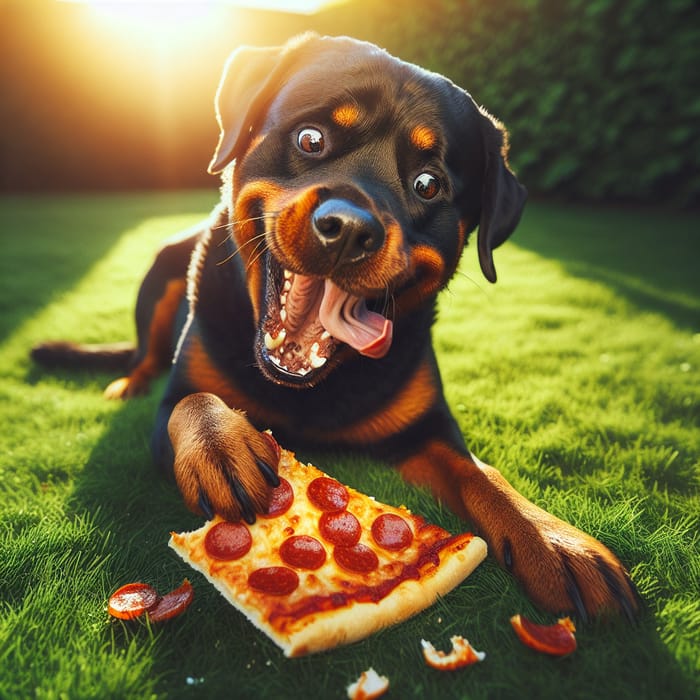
{"x":120,"y":479}
{"x":649,"y":258}
{"x":55,"y":240}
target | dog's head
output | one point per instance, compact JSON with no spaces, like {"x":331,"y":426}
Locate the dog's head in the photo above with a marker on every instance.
{"x":357,"y":180}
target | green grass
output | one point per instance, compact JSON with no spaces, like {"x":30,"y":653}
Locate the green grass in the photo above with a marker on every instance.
{"x":577,"y":375}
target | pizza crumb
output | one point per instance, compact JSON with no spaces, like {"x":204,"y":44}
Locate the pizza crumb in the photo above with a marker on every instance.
{"x":368,"y":686}
{"x":462,"y":654}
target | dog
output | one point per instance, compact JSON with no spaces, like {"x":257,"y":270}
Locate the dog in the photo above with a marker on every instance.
{"x":351,"y":182}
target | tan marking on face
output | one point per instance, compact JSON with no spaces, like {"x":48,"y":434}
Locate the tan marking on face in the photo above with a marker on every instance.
{"x":248,"y":246}
{"x":429,"y":268}
{"x":423,"y":137}
{"x":292,"y":241}
{"x":346,"y":115}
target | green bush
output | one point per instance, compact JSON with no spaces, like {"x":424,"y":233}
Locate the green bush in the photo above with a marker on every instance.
{"x":600,"y":96}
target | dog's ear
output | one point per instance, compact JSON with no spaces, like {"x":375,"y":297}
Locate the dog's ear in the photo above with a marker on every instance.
{"x":245,"y":77}
{"x":502,"y":197}
{"x":249,"y":82}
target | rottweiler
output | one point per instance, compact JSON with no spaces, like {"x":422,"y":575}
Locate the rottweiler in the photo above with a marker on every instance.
{"x":351,"y":182}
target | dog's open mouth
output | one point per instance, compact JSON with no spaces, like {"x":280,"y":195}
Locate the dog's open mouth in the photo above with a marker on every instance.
{"x":308,"y":318}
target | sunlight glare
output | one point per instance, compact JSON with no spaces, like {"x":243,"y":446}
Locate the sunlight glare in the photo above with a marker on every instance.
{"x":162,"y":21}
{"x":168,"y":21}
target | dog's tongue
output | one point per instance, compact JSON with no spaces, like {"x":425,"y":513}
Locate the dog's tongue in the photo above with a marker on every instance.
{"x":348,"y":319}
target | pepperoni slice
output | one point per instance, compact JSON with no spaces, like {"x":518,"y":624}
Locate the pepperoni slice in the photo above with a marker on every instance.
{"x":274,"y":580}
{"x":303,"y":552}
{"x":281,"y":499}
{"x":274,"y":445}
{"x":358,"y":559}
{"x":227,"y":541}
{"x":557,"y":639}
{"x":391,"y":532}
{"x":173,"y":603}
{"x":132,"y":600}
{"x":341,"y":528}
{"x":328,"y":494}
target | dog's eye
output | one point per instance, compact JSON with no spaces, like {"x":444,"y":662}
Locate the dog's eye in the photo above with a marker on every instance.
{"x":426,"y":186}
{"x":311,"y":140}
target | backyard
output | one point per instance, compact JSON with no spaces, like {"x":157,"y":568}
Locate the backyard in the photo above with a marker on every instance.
{"x":576,"y":374}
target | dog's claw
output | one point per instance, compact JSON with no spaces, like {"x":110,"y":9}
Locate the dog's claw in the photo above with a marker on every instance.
{"x":574,"y":593}
{"x":508,"y":554}
{"x":241,"y":495}
{"x":205,"y":506}
{"x":629,"y":604}
{"x":631,"y":611}
{"x":627,"y":607}
{"x":269,"y":474}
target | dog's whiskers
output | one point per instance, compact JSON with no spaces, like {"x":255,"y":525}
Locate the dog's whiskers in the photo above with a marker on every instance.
{"x":475,"y":283}
{"x":231,"y":225}
{"x":238,"y":222}
{"x":239,"y":249}
{"x":258,"y":252}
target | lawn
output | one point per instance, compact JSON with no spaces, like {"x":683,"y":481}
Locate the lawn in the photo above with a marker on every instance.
{"x":577,"y":375}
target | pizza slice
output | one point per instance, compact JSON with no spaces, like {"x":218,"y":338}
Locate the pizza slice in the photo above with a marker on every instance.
{"x":327,"y":565}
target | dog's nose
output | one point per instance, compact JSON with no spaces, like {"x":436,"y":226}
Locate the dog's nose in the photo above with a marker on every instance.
{"x":347,"y":231}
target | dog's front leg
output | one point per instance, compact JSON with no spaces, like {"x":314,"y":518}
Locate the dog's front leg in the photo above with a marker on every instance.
{"x":561,"y":568}
{"x":221,"y":463}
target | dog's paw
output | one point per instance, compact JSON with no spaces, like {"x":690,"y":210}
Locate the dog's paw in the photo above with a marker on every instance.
{"x":223,"y":465}
{"x":562,"y":569}
{"x":138,"y":383}
{"x":124,"y":388}
{"x":565,"y":570}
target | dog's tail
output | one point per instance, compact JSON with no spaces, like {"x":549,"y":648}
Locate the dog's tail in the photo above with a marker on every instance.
{"x":107,"y":357}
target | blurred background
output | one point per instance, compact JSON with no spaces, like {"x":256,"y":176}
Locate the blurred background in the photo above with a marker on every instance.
{"x":600,"y":96}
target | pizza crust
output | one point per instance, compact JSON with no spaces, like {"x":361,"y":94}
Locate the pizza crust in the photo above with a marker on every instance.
{"x":360,"y":620}
{"x":326,"y":630}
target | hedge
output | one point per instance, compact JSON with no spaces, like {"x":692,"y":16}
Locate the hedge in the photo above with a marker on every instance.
{"x":600,"y":96}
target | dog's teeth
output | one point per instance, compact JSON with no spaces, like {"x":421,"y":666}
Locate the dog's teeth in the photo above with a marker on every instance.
{"x":287,"y":286}
{"x":283,"y":315}
{"x":273,"y":343}
{"x":317,"y":362}
{"x":314,"y":360}
{"x":283,"y":299}
{"x":325,"y":335}
{"x":288,"y":275}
